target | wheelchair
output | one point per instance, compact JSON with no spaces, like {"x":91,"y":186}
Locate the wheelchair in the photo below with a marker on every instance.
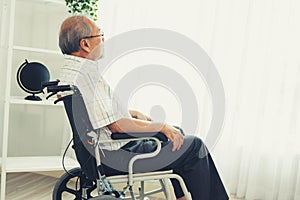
{"x":89,"y":182}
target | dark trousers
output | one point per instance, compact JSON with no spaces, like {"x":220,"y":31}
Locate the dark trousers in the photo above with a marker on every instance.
{"x":199,"y":173}
{"x":194,"y":165}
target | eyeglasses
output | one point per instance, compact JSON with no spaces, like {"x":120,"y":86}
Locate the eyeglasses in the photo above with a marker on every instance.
{"x":94,"y":36}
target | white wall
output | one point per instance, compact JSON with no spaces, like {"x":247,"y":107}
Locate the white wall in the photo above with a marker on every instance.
{"x":120,"y":16}
{"x":255,"y":47}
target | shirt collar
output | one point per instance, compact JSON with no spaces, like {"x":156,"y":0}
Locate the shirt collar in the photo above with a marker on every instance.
{"x":81,"y":64}
{"x":79,"y":59}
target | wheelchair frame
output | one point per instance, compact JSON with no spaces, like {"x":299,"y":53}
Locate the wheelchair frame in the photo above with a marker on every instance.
{"x":91,"y":174}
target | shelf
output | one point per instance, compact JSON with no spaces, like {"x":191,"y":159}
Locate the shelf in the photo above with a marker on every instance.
{"x":48,"y":2}
{"x":34,"y":164}
{"x":38,"y":50}
{"x":44,"y":102}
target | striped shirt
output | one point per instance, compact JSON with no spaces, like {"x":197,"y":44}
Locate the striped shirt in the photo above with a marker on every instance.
{"x":102,"y":106}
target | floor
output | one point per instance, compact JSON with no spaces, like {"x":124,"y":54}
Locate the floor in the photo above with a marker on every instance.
{"x":32,"y":186}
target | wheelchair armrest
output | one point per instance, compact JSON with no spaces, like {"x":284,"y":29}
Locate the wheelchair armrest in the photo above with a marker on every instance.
{"x":158,"y":135}
{"x":116,"y":137}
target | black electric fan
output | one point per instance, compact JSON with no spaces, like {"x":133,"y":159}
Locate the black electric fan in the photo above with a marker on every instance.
{"x":30,"y":77}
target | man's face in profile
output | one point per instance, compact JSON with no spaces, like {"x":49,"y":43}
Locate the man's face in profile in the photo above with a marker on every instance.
{"x":97,"y":42}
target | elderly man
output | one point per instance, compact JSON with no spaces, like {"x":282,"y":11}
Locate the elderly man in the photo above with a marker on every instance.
{"x":82,"y":43}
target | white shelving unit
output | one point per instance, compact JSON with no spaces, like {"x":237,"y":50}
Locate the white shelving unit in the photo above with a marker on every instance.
{"x":24,"y":163}
{"x":22,"y":48}
{"x":38,"y":163}
{"x":20,"y":100}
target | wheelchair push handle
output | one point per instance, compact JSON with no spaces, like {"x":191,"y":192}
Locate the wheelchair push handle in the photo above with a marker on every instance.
{"x":59,"y":88}
{"x":53,"y":88}
{"x":50,"y":83}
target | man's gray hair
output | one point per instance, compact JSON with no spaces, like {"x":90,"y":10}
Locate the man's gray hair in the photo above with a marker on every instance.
{"x":72,"y":30}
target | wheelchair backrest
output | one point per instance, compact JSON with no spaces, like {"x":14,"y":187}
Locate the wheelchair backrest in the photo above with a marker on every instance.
{"x":81,"y":125}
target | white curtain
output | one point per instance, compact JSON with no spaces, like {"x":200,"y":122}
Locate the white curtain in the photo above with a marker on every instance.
{"x":255,"y":46}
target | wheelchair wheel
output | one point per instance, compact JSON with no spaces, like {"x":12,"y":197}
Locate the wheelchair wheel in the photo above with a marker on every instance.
{"x":68,"y":186}
{"x":104,"y":197}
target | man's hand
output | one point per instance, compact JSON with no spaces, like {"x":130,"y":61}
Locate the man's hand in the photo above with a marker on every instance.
{"x":138,"y":115}
{"x":174,"y":135}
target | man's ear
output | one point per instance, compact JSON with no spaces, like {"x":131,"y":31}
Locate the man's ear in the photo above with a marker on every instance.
{"x":85,"y":45}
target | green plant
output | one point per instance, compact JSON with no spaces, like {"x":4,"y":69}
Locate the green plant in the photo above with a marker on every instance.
{"x":85,"y":7}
